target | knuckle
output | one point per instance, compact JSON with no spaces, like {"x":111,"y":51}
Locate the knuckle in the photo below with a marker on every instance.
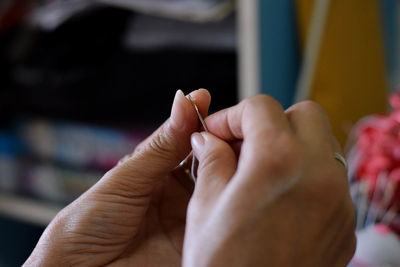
{"x":139,"y":147}
{"x":211,"y":155}
{"x":264,"y":100}
{"x":124,"y":159}
{"x":309,"y":107}
{"x":160,"y":145}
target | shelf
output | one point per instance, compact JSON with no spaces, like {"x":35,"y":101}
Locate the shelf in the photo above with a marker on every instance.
{"x":29,"y":210}
{"x":200,"y":11}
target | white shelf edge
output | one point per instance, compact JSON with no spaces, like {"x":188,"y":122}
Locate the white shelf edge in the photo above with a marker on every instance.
{"x":28,"y":210}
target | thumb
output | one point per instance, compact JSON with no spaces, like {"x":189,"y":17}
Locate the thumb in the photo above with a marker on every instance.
{"x":160,"y":153}
{"x":217,"y":163}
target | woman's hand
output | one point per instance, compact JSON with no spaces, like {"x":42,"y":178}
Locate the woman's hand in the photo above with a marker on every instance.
{"x":135,"y":215}
{"x":274,"y":196}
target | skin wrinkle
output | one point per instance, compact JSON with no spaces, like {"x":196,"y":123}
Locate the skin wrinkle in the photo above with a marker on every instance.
{"x":154,"y":205}
{"x":158,"y":147}
{"x":126,"y":186}
{"x":235,"y":223}
{"x":91,"y":244}
{"x":97,"y":227}
{"x":118,"y":191}
{"x":134,"y":243}
{"x":85,"y":250}
{"x":121,"y":201}
{"x":99,"y":235}
{"x":209,"y":159}
{"x":100,"y":222}
{"x":154,"y":145}
{"x":242,"y":198}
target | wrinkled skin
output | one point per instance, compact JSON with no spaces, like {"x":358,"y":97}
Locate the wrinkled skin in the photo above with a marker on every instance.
{"x":284,"y":202}
{"x":135,"y":215}
{"x":269,"y":193}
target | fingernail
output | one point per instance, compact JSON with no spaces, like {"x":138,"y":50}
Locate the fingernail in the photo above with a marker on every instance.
{"x":197,"y":141}
{"x":177,"y":113}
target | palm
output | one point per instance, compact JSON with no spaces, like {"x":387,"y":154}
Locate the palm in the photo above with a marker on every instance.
{"x":159,"y":241}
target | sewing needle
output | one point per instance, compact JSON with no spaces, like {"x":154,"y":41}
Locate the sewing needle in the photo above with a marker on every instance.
{"x":203,"y":123}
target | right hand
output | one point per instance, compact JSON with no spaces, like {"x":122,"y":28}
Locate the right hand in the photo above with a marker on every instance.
{"x":279,"y":198}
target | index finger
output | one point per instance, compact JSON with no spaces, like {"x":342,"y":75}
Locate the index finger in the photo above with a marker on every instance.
{"x":268,"y":157}
{"x":250,"y":117}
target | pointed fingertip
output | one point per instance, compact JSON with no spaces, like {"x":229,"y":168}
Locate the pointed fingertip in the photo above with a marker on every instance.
{"x":177,"y":112}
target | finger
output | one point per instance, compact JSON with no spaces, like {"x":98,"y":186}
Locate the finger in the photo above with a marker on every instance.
{"x":183,"y":122}
{"x":311,"y":125}
{"x":202,"y":98}
{"x":259,"y":113}
{"x":217,"y":163}
{"x":262,"y":124}
{"x":160,"y":153}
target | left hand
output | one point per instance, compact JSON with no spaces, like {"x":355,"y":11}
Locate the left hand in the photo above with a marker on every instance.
{"x":136,"y":214}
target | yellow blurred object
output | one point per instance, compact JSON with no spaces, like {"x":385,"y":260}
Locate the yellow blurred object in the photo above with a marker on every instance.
{"x":349,"y":79}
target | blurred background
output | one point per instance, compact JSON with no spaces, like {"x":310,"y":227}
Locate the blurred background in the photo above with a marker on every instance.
{"x":83,"y":81}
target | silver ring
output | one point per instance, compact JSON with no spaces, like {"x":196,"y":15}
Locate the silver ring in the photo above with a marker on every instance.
{"x":341,"y":159}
